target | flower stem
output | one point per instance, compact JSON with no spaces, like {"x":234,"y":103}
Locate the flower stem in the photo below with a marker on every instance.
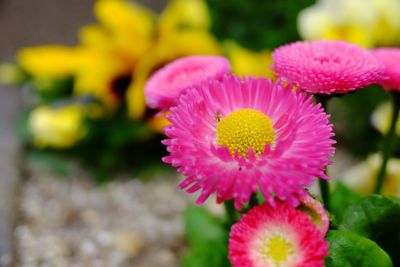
{"x":388,"y":142}
{"x":230,"y":213}
{"x":324,"y":188}
{"x":323,"y":184}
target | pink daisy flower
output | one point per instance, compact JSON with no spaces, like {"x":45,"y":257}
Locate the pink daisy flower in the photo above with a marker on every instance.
{"x":233,"y":137}
{"x":326,"y":67}
{"x":390,"y":57}
{"x":166,"y":85}
{"x":276,"y":236}
{"x":314,"y":209}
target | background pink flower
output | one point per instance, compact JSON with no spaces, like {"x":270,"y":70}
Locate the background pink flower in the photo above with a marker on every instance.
{"x":166,"y":85}
{"x":326,"y":67}
{"x":276,"y":236}
{"x":233,"y":137}
{"x":390,"y":57}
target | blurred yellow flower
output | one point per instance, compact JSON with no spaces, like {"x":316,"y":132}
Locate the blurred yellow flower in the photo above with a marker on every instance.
{"x":247,"y":62}
{"x":128,"y":43}
{"x":128,"y":28}
{"x":362,"y":177}
{"x":111,"y":49}
{"x":387,"y":27}
{"x":158,"y":122}
{"x":182,"y":30}
{"x":96,"y":37}
{"x":125,"y":17}
{"x":180,"y":44}
{"x":184,"y":14}
{"x":57,"y":127}
{"x":381,"y":118}
{"x":10,"y":74}
{"x":376,"y":22}
{"x":47,"y":61}
{"x":107,"y":51}
{"x":95,"y":72}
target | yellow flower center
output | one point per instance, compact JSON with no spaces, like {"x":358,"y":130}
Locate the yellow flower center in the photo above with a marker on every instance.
{"x":277,"y":249}
{"x":244,"y":129}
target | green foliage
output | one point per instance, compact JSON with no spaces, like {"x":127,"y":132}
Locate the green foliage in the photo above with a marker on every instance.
{"x":207,"y":238}
{"x":257,"y":24}
{"x":376,"y":217}
{"x":23,"y":129}
{"x":55,"y":163}
{"x":116,"y":131}
{"x":348,"y":249}
{"x":341,"y":198}
{"x":351,"y":119}
{"x":50,"y":90}
{"x":117,"y":143}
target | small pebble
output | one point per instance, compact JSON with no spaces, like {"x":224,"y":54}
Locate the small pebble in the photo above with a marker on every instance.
{"x":73,"y":222}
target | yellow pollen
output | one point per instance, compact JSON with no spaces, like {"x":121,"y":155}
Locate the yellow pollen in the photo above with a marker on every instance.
{"x":277,"y":249}
{"x":244,"y":129}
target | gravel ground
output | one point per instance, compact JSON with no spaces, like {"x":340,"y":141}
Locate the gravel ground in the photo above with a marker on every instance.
{"x":72,"y":222}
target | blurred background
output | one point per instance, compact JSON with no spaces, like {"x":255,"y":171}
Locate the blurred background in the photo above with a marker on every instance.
{"x":81,"y":178}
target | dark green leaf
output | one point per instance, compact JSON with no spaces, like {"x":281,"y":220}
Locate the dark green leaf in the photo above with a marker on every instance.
{"x":341,"y":198}
{"x":202,"y":227}
{"x":211,"y":255}
{"x":377,"y":218}
{"x":50,"y":90}
{"x":351,"y":117}
{"x":247,"y":23}
{"x":349,"y":249}
{"x":207,"y":238}
{"x":55,"y":163}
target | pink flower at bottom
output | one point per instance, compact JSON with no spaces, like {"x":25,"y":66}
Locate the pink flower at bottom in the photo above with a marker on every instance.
{"x":166,"y":85}
{"x":234,"y":137}
{"x":326,"y":67}
{"x":390,"y":57}
{"x":279,"y":236}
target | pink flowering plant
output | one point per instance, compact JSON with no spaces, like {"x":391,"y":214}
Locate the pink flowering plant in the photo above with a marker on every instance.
{"x":256,"y":146}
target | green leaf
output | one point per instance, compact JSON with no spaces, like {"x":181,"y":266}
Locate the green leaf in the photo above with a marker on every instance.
{"x":341,"y":198}
{"x":123,"y":132}
{"x":376,"y":217}
{"x":260,"y":197}
{"x":349,"y":249}
{"x":357,"y":134}
{"x":246,"y":22}
{"x":211,"y":255}
{"x":202,"y":227}
{"x":23,"y":128}
{"x":207,"y":238}
{"x":50,"y":90}
{"x":55,"y":163}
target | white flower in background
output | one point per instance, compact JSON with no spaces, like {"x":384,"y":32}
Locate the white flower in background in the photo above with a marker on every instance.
{"x":367,"y":23}
{"x":381,"y":118}
{"x":362,"y":177}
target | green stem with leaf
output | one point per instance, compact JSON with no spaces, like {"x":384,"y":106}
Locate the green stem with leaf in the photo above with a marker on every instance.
{"x":230,"y":212}
{"x":323,"y":184}
{"x":388,"y":142}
